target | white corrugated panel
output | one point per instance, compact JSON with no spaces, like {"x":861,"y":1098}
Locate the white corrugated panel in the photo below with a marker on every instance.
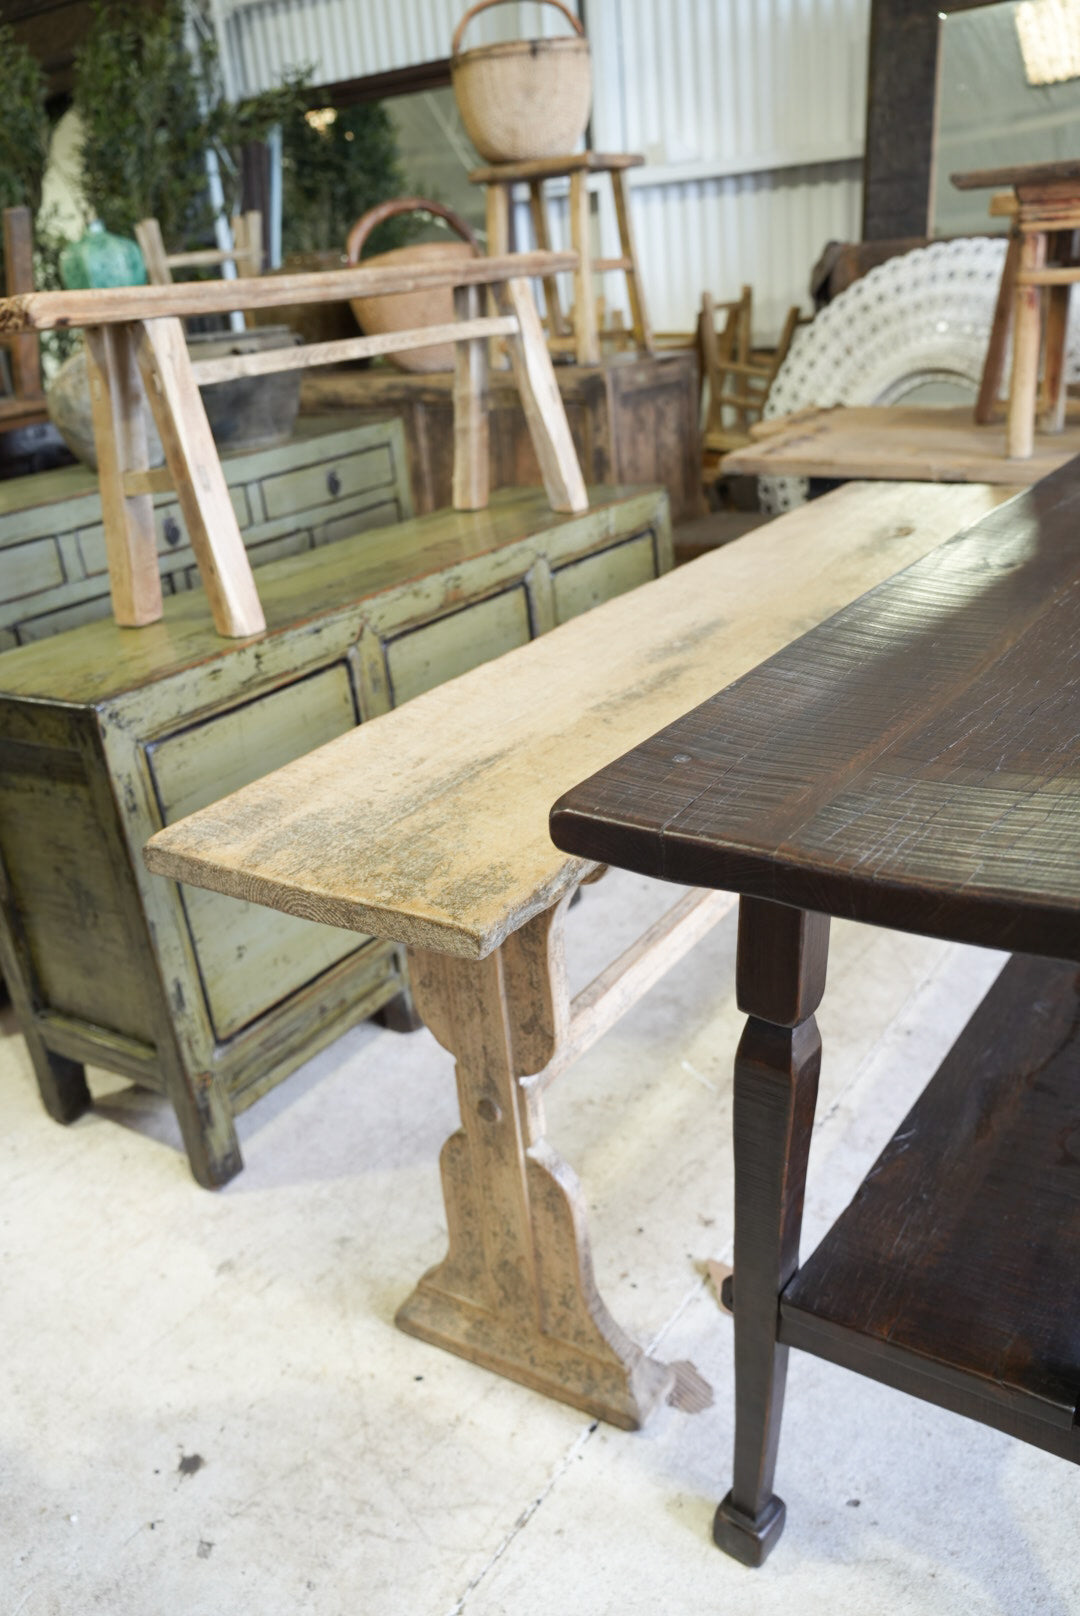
{"x":750,"y":114}
{"x":346,"y":39}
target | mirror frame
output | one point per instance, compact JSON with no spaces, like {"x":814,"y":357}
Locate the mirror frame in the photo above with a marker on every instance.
{"x":901,"y":103}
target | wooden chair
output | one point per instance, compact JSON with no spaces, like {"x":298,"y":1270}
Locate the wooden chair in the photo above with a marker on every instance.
{"x":138,"y":356}
{"x":738,"y":377}
{"x":246,"y":252}
{"x":25,"y":405}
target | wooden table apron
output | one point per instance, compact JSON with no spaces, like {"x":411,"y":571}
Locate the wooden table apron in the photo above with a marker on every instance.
{"x":913,"y":763}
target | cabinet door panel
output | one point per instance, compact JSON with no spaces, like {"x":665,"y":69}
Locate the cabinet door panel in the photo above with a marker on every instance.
{"x":251,"y":957}
{"x":598,"y":577}
{"x":438,"y":651}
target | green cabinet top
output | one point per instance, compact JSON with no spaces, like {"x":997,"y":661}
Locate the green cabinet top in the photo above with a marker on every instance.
{"x":99,"y":661}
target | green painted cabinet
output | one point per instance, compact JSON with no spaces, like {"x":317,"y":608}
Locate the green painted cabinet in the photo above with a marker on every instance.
{"x":329,"y":482}
{"x":108,"y":733}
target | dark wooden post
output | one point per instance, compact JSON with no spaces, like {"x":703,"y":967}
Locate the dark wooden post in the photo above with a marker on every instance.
{"x":780,"y":977}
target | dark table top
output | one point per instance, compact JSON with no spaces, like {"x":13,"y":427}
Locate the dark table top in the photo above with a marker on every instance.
{"x":913,"y":762}
{"x":1020,"y":174}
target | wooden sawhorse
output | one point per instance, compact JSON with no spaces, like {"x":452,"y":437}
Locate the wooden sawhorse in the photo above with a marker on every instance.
{"x":137,"y":355}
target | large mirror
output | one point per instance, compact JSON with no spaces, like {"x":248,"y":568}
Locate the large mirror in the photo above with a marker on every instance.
{"x":1008,"y":92}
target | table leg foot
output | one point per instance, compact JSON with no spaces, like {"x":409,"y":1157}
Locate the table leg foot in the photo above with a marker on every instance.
{"x":750,"y":1539}
{"x":553,"y":1332}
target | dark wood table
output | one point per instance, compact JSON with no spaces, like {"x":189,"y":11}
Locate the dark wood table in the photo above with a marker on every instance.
{"x":914,"y":762}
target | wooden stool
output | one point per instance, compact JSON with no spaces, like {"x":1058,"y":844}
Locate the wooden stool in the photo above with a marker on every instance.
{"x":1044,"y":206}
{"x":582,"y":338}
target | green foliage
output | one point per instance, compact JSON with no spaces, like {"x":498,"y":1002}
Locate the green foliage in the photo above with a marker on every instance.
{"x":140,"y":95}
{"x":334,"y":170}
{"x":24,"y":129}
{"x":24,"y":126}
{"x":151,"y":109}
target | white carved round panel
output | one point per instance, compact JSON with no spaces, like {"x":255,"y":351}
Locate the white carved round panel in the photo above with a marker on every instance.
{"x":918,"y":323}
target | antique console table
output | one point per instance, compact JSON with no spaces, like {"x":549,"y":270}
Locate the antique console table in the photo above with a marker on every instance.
{"x":914,"y":762}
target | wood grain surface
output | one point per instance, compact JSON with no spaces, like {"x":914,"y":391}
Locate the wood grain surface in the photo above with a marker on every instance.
{"x":895,"y":442}
{"x":48,"y":311}
{"x":429,"y":825}
{"x":914,"y":762}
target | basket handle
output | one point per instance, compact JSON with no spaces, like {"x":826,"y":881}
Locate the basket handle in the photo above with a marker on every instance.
{"x":363,"y":227}
{"x":482,"y":5}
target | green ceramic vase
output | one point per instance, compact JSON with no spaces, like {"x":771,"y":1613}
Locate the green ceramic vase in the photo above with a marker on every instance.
{"x":101,"y":259}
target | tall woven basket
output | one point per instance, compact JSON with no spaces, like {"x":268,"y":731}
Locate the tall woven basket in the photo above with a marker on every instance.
{"x":524,"y":98}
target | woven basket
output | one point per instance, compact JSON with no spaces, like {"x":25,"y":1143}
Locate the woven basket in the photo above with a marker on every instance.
{"x":406,"y":311}
{"x":528,"y":98}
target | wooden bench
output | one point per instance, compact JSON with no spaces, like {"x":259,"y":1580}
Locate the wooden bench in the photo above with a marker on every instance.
{"x":429,"y":826}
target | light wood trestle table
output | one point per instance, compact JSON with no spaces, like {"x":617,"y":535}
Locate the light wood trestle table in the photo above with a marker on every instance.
{"x":428,"y":826}
{"x":912,"y":763}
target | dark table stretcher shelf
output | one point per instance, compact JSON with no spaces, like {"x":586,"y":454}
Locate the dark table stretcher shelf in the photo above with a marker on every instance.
{"x":914,"y":763}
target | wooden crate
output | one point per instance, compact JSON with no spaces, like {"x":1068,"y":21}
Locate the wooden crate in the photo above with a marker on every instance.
{"x":634,"y":419}
{"x":330,"y":481}
{"x":107,"y":733}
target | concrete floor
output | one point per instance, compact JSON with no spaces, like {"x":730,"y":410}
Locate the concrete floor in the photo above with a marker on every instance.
{"x":206,"y":1407}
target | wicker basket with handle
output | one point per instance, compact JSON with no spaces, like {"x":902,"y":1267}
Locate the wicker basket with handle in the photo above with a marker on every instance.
{"x":524,"y":98}
{"x":406,"y":311}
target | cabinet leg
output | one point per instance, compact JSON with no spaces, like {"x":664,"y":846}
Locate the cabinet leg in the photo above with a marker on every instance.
{"x":780,"y":976}
{"x":516,"y":1292}
{"x":400,"y":1014}
{"x":61,"y":1082}
{"x":206,"y":1123}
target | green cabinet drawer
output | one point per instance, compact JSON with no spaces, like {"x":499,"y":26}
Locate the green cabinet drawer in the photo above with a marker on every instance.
{"x":311,"y":486}
{"x":169,"y":525}
{"x":427,"y":656}
{"x":250,"y":958}
{"x":27,"y":568}
{"x":584,"y":584}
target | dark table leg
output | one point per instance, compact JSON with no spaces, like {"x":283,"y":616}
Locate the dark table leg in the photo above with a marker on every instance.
{"x":780,"y":978}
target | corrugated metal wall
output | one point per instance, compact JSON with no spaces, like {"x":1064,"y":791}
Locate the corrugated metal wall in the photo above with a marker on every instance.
{"x":750,"y":114}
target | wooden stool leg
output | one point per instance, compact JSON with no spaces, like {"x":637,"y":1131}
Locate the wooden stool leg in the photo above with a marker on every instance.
{"x":994,"y":363}
{"x":1020,"y":432}
{"x":1057,"y":330}
{"x":556,"y":319}
{"x":516,"y":1292}
{"x":638,"y":314}
{"x":497,"y":213}
{"x":472,"y":477}
{"x":587,"y":337}
{"x":780,"y":978}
